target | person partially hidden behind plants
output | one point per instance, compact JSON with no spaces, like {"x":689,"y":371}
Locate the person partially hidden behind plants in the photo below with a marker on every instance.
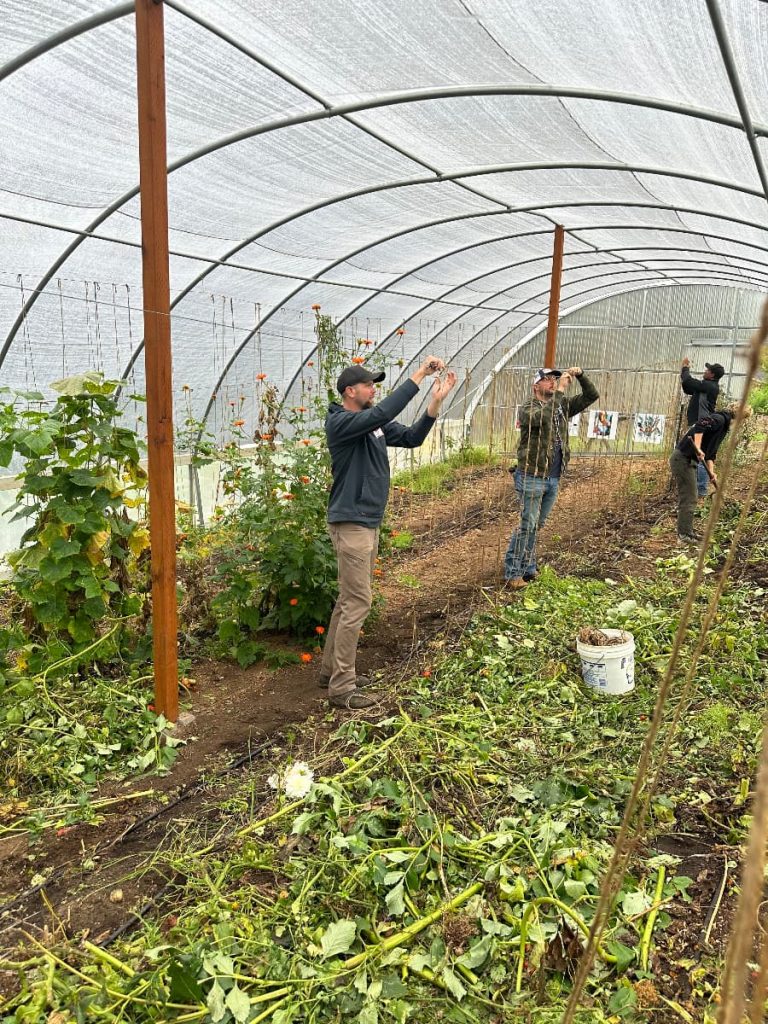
{"x":698,"y":446}
{"x":359,"y":433}
{"x":542,"y":458}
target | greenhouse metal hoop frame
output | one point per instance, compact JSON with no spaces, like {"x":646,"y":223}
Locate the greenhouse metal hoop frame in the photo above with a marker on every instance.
{"x":154,"y":50}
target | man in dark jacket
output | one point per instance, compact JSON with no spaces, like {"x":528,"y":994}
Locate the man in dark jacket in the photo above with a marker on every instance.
{"x":359,"y":434}
{"x":698,"y":446}
{"x":542,"y":458}
{"x":702,"y":403}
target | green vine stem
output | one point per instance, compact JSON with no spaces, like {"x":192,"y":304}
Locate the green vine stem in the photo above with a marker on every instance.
{"x":577,"y":919}
{"x":645,"y":942}
{"x":407,"y":934}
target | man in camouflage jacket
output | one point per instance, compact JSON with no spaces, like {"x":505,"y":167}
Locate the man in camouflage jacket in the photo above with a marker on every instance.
{"x":542,"y":458}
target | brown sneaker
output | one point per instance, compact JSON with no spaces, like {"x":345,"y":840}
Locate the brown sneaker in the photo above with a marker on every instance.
{"x":516,"y":583}
{"x":360,"y":681}
{"x":353,"y":701}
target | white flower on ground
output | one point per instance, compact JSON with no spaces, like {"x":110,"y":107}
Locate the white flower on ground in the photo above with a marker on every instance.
{"x":274,"y":781}
{"x":298,"y":780}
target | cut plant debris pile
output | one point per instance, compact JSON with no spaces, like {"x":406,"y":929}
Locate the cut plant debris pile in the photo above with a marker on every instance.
{"x":597,"y":638}
{"x":443,"y":863}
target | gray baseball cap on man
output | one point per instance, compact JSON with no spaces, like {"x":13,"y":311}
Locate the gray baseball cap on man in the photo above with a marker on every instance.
{"x":358,"y":375}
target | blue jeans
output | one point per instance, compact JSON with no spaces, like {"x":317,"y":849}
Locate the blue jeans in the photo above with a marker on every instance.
{"x":537,"y":495}
{"x":702,"y":480}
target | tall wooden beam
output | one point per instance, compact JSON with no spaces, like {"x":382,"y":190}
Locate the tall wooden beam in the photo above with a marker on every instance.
{"x":554,"y":296}
{"x":150,"y":66}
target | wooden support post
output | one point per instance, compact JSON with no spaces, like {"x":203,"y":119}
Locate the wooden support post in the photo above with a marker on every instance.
{"x":150,"y":66}
{"x":554,"y":296}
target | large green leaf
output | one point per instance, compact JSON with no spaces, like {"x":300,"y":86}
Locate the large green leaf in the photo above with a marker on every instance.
{"x":338,"y":937}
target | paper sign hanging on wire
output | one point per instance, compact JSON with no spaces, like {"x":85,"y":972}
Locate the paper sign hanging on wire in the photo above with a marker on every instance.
{"x":649,"y":428}
{"x":603,"y":424}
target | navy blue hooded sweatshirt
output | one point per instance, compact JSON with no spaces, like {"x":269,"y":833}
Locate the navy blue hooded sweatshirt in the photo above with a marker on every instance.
{"x":358,"y":443}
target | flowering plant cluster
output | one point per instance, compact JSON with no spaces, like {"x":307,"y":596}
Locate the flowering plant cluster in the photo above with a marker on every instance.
{"x":275,"y":568}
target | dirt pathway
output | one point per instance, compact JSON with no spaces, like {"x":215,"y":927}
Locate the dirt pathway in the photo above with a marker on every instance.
{"x":95,"y":873}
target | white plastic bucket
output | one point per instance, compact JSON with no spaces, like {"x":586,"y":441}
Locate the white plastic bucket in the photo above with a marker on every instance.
{"x":609,"y":669}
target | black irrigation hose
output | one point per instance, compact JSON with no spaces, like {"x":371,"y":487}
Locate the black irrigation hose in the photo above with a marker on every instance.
{"x":137,"y":916}
{"x":191,"y":789}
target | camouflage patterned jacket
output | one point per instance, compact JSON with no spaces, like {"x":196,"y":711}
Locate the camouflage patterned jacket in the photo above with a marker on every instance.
{"x":539,"y":422}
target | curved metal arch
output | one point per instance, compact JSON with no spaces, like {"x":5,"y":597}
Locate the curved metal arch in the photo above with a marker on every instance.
{"x":72,"y":31}
{"x":438,"y":178}
{"x":626,"y":267}
{"x":401,"y":233}
{"x":635,"y":287}
{"x":731,"y":273}
{"x":374,"y":103}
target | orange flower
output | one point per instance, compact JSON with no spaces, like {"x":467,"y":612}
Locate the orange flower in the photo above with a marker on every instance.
{"x":299,"y":408}
{"x":310,"y":362}
{"x":367,"y":342}
{"x":304,"y":479}
{"x":427,"y":673}
{"x":316,"y":306}
{"x":261,"y":376}
{"x":400,"y":330}
{"x":377,"y":572}
{"x":394,"y":533}
{"x":319,"y":630}
{"x":306,"y":441}
{"x":288,"y":497}
{"x":306,"y":658}
{"x":238,"y":423}
{"x":358,"y":359}
{"x":293,"y":602}
{"x":266,"y":437}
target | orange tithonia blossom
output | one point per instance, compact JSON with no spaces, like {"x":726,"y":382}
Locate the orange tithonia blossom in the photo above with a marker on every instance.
{"x":288,"y":497}
{"x":293,"y":602}
{"x":238,"y":423}
{"x":319,"y":630}
{"x":261,"y":376}
{"x":304,"y":479}
{"x":358,"y":359}
{"x":306,"y":658}
{"x":316,"y":305}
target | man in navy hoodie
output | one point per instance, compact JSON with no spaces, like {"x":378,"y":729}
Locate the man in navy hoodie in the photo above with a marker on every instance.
{"x":359,"y":434}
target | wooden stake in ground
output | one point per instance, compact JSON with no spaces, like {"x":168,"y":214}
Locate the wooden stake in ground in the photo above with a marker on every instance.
{"x":150,"y":68}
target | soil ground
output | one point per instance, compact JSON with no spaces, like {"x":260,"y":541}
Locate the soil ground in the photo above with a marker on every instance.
{"x":613,"y":517}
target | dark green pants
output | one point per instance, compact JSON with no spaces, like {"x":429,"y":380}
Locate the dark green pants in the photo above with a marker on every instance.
{"x":684,"y":474}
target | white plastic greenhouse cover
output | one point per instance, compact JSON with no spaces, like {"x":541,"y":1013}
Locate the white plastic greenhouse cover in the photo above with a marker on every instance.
{"x":393,"y":161}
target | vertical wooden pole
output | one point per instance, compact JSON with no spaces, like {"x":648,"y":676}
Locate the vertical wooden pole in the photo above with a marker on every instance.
{"x":150,"y":66}
{"x":554,"y":296}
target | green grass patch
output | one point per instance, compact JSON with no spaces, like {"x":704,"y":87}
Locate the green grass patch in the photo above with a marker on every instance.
{"x":431,"y":477}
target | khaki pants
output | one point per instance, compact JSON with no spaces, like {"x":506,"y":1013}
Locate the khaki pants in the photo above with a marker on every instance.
{"x":356,"y":548}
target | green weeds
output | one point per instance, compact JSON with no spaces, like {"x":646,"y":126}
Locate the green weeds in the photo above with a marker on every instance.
{"x":446,"y":861}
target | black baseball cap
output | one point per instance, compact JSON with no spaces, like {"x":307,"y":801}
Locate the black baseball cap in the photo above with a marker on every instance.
{"x":358,"y":375}
{"x":716,"y":370}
